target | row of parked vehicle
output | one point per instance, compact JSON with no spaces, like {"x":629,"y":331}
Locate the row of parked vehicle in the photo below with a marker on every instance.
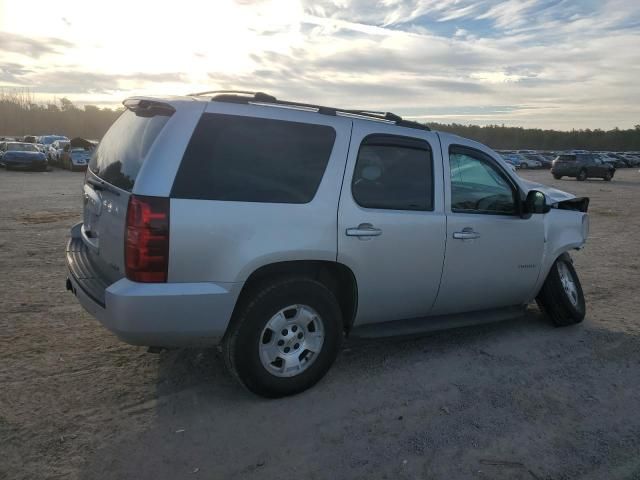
{"x":544,"y":159}
{"x":37,"y":153}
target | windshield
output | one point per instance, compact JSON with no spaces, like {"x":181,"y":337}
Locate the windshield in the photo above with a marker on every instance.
{"x":21,"y":147}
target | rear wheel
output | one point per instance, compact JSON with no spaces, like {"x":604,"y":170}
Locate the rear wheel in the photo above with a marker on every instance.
{"x":607,"y":177}
{"x":524,"y":165}
{"x":561,"y":296}
{"x":556,"y":176}
{"x":284,"y":336}
{"x":582,"y":175}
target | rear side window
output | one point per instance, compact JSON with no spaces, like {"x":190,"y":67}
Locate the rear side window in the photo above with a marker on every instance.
{"x":566,"y":158}
{"x":393,"y":173}
{"x":120,"y":153}
{"x":249,"y":159}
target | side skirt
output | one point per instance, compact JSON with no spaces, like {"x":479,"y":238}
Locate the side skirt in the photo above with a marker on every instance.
{"x":415,"y":326}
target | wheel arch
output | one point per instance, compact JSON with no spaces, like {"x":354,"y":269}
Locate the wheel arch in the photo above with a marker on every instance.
{"x":336,"y":276}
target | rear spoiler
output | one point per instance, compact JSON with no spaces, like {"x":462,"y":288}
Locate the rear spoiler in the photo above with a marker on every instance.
{"x":148,"y":108}
{"x":578,"y":204}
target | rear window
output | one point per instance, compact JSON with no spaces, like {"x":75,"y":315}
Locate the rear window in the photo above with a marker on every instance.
{"x":251,"y":159}
{"x":121,"y":152}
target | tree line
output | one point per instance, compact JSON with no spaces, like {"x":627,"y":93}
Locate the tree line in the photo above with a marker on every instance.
{"x":21,"y":115}
{"x":515,"y":138}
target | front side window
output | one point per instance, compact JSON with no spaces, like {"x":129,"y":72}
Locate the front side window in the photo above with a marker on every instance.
{"x":477,"y":186}
{"x":394,"y":173}
{"x":247,"y":159}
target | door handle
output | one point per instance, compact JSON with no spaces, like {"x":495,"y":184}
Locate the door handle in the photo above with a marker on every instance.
{"x":467,"y":233}
{"x":363,"y":230}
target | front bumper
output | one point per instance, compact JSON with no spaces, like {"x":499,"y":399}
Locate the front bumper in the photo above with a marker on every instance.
{"x":22,"y":165}
{"x":150,"y":314}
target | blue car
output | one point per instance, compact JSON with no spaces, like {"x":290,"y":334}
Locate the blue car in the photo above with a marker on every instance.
{"x":23,"y":156}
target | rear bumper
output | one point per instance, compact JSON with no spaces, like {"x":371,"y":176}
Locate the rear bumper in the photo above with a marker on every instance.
{"x":157,"y":314}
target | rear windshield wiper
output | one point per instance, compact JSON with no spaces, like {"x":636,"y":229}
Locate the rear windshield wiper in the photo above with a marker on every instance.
{"x":98,"y":184}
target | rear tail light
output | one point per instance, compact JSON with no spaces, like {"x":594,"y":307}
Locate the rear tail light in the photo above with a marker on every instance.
{"x":146,"y":244}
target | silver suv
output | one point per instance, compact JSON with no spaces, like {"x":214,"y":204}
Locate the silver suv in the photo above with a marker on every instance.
{"x":275,"y":228}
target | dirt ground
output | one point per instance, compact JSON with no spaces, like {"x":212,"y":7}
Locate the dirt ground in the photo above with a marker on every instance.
{"x":513,"y":400}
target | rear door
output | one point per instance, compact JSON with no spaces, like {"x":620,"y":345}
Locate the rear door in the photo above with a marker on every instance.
{"x":598,"y":167}
{"x":493,"y":255}
{"x":111,"y":175}
{"x":391,"y":224}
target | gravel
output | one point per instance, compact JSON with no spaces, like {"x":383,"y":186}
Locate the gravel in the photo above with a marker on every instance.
{"x":513,"y":400}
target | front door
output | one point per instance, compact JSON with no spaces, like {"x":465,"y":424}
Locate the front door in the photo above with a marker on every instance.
{"x":493,"y":255}
{"x":391,"y":222}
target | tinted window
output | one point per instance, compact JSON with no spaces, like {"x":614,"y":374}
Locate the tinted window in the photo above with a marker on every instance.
{"x":251,"y":159}
{"x":394,"y":173}
{"x":566,"y":158}
{"x":477,"y":186}
{"x":119,"y":155}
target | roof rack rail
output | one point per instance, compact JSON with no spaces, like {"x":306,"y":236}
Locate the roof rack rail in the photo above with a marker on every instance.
{"x":243,"y":96}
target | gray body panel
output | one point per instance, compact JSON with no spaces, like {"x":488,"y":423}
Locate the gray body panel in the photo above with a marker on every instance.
{"x":508,"y":246}
{"x":398,"y":272}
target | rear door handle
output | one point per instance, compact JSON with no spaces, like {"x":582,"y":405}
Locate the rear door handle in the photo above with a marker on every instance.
{"x":466,"y":234}
{"x":363,"y":230}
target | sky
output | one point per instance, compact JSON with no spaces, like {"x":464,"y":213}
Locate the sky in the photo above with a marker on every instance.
{"x":534,"y":63}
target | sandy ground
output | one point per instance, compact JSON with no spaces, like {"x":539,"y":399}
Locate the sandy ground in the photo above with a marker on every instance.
{"x":516,"y":400}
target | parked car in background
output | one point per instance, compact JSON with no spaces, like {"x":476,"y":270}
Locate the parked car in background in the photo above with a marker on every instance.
{"x":76,"y":154}
{"x":581,"y":166}
{"x":22,"y":156}
{"x":536,"y":157}
{"x":75,"y":158}
{"x":204,"y":191}
{"x":45,"y":141}
{"x":550,"y":156}
{"x":631,"y":159}
{"x":30,"y":139}
{"x":55,"y":151}
{"x":520,"y":161}
{"x":612,"y":159}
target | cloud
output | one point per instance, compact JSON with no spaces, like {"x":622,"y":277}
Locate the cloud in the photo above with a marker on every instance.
{"x":31,"y":47}
{"x":78,"y":82}
{"x":549,"y":63}
{"x":11,"y":72}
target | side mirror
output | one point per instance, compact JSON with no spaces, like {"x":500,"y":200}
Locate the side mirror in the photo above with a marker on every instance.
{"x":536,"y":202}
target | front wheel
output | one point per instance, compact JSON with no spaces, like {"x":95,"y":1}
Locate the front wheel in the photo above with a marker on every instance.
{"x":561,"y":296}
{"x":284,"y":336}
{"x":607,"y":177}
{"x":582,"y":175}
{"x":556,"y":176}
{"x":524,"y":165}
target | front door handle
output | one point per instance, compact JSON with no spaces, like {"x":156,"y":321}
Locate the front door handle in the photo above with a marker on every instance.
{"x":466,"y":234}
{"x":363,"y":230}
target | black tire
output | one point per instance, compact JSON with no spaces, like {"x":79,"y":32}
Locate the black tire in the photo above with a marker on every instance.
{"x":241,"y":343}
{"x":557,"y":177}
{"x":607,"y":177}
{"x":582,"y":175}
{"x":524,"y":165}
{"x":554,"y":300}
